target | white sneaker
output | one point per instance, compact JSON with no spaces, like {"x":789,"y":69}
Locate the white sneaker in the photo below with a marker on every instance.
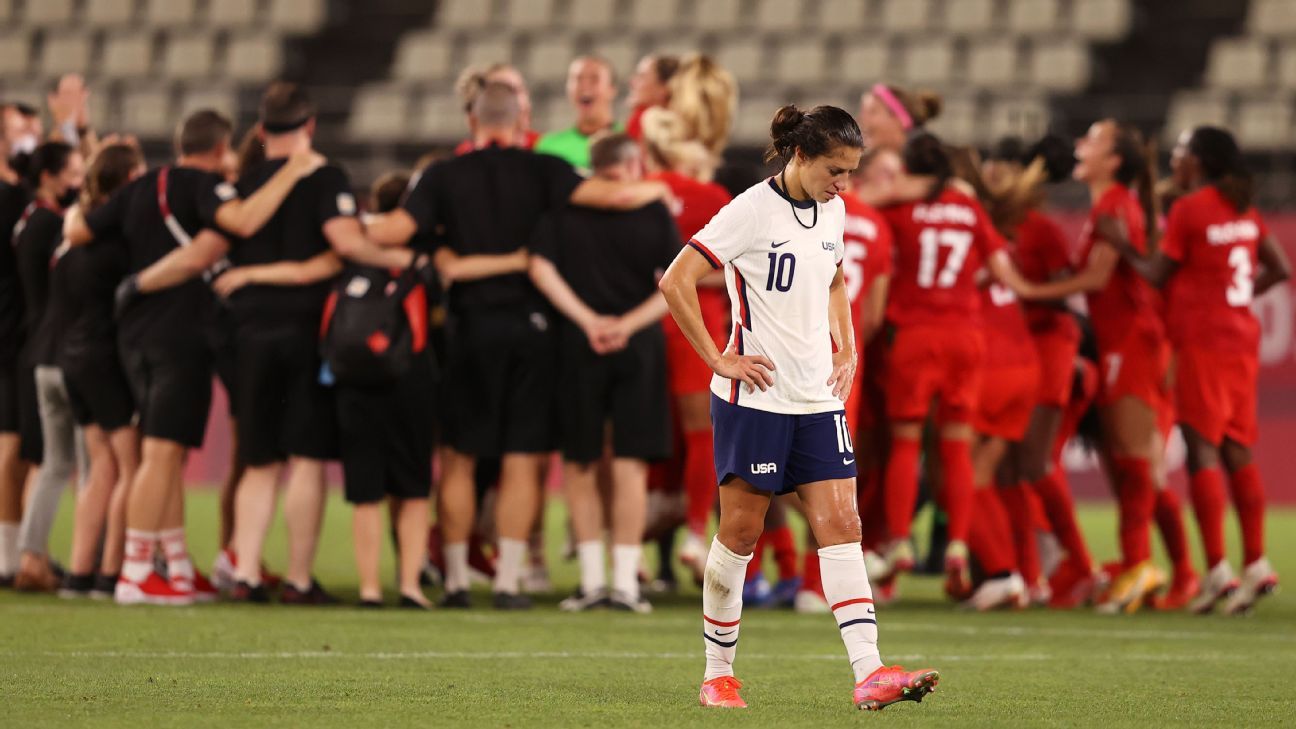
{"x":810,"y":602}
{"x":1051,"y":552}
{"x":1258,"y":580}
{"x":1220,"y":584}
{"x":1004,"y":592}
{"x":580,"y":602}
{"x":874,"y":565}
{"x":620,"y":601}
{"x":223,"y":571}
{"x":693,"y":555}
{"x":898,"y":557}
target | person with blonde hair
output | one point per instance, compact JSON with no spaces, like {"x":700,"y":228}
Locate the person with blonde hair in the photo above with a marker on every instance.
{"x":705,"y":96}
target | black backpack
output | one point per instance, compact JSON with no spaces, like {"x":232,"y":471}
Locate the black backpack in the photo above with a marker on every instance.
{"x":375,"y":325}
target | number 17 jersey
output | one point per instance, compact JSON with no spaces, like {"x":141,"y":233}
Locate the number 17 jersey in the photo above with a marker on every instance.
{"x":778,"y":272}
{"x":940,"y":245}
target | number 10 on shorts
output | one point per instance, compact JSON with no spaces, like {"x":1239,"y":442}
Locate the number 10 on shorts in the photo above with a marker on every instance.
{"x":844,"y":444}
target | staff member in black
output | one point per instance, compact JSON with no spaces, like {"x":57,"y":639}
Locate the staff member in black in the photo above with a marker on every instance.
{"x":501,"y":365}
{"x":13,"y":467}
{"x":163,"y":335}
{"x":600,"y":269}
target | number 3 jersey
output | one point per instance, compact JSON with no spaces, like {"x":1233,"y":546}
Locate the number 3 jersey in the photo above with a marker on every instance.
{"x":778,"y":273}
{"x":940,"y":245}
{"x":1208,"y":301}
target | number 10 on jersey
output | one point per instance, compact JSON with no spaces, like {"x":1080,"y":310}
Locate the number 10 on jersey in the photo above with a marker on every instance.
{"x":782,"y":269}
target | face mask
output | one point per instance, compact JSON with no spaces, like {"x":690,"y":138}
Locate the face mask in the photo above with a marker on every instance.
{"x":69,"y":198}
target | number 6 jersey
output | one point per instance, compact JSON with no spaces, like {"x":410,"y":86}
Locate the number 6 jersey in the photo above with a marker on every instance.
{"x":778,"y":272}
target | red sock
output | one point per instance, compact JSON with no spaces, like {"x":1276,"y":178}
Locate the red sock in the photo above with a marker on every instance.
{"x":1169,"y":518}
{"x":1056,"y":500}
{"x":785,"y":552}
{"x":756,"y":565}
{"x":956,"y":458}
{"x":1137,"y":495}
{"x":990,"y":538}
{"x":901,"y":487}
{"x":1017,"y":506}
{"x":810,"y":579}
{"x":1209,"y":503}
{"x":1249,"y":500}
{"x":699,"y":480}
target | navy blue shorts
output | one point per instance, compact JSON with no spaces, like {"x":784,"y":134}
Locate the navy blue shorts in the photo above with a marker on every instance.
{"x":776,"y":452}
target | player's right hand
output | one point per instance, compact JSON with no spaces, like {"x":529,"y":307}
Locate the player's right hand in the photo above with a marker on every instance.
{"x":305,"y":161}
{"x":753,"y":370}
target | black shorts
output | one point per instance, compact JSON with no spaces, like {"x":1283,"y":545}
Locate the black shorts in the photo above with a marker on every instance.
{"x":99,"y":394}
{"x":31,"y":436}
{"x":9,"y":407}
{"x":626,"y":389}
{"x":280,"y":407}
{"x":386,"y":438}
{"x":222,"y":337}
{"x":172,"y":387}
{"x":499,"y":385}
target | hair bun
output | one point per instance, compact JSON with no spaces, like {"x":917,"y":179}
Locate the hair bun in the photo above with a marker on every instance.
{"x":930,"y":105}
{"x":786,"y":121}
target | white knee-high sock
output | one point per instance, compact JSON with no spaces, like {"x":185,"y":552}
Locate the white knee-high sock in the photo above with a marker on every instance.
{"x":593,"y":569}
{"x":846,"y":585}
{"x":722,"y":608}
{"x":456,"y":566}
{"x":8,"y":549}
{"x":625,"y":569}
{"x":508,"y":567}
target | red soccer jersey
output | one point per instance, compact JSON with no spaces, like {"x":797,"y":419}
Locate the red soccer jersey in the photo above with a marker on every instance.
{"x":868,"y":248}
{"x":1008,"y":340}
{"x":1042,"y":254}
{"x":1127,"y":303}
{"x":1208,"y":301}
{"x":695,"y":202}
{"x":939,"y":247}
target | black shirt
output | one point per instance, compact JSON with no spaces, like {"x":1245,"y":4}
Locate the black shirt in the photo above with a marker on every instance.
{"x":294,"y":233}
{"x":39,"y":237}
{"x":177,"y":316}
{"x":13,"y":199}
{"x":84,"y":279}
{"x":488,"y":203}
{"x":610,"y":259}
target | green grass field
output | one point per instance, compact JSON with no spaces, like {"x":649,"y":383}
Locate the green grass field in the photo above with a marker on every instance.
{"x":87,"y":664}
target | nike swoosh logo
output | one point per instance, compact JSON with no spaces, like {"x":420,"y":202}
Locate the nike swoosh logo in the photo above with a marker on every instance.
{"x":846,"y":462}
{"x":871,"y":611}
{"x":721,"y":635}
{"x":776,"y":245}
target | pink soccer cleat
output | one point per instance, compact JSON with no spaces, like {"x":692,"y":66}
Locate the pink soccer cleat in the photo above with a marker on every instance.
{"x":722,"y":692}
{"x":892,"y":684}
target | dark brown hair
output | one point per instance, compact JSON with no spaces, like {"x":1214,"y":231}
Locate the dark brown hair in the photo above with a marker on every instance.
{"x":387,"y":191}
{"x":814,"y":133}
{"x":1137,"y":168}
{"x":110,"y":169}
{"x":285,"y":107}
{"x":925,"y":154}
{"x":203,"y":131}
{"x":665,"y":67}
{"x":610,"y":150}
{"x":1223,"y":165}
{"x":922,"y":105}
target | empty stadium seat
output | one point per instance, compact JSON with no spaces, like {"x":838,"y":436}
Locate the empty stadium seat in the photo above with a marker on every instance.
{"x":622,"y":53}
{"x":15,"y":54}
{"x":1286,"y":72}
{"x":779,"y":16}
{"x":1025,"y":117}
{"x":548,"y":57}
{"x":528,"y":14}
{"x":1060,"y":65}
{"x":1238,"y":63}
{"x":553,"y":114}
{"x":714,"y":15}
{"x":127,"y":54}
{"x":993,"y":63}
{"x":1272,"y":18}
{"x":297,"y":17}
{"x":487,"y":51}
{"x":1191,"y":109}
{"x":928,"y":62}
{"x":379,"y":114}
{"x":188,"y":55}
{"x":842,"y":16}
{"x":6,"y":11}
{"x":47,"y":13}
{"x":752,"y":125}
{"x":905,"y":16}
{"x":170,"y":13}
{"x":147,"y":111}
{"x":802,"y":61}
{"x":969,"y":17}
{"x":745,"y":58}
{"x":591,"y":14}
{"x":231,"y":13}
{"x":959,"y":121}
{"x":1101,"y":20}
{"x":65,"y":52}
{"x":424,"y":57}
{"x":654,"y":14}
{"x":678,"y":44}
{"x":464,"y":14}
{"x":1265,"y":123}
{"x":864,"y":61}
{"x":107,"y":13}
{"x":1028,"y":17}
{"x":440,"y":118}
{"x":253,"y":57}
{"x":217,"y":98}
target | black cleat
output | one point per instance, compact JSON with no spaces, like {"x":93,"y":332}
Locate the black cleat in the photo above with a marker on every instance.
{"x":511,"y":601}
{"x":105,"y":586}
{"x":243,"y":592}
{"x":457,"y":599}
{"x":410,"y":603}
{"x":315,"y":595}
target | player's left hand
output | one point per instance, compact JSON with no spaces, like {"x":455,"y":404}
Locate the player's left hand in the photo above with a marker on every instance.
{"x":612,"y":336}
{"x":231,"y":281}
{"x":843,"y":374}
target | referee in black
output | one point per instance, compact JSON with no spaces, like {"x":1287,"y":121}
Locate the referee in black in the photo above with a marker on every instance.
{"x":600,"y":269}
{"x":163,"y":336}
{"x":501,"y":364}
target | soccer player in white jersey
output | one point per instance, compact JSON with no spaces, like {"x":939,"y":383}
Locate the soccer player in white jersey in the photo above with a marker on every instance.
{"x":778,"y":392}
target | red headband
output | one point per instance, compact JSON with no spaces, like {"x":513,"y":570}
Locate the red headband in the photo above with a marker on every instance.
{"x":884,"y":95}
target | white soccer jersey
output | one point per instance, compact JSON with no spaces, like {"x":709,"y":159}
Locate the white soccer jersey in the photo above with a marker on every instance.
{"x":778,"y":273}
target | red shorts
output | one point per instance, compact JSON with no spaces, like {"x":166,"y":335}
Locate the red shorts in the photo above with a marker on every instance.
{"x":1007,"y":400}
{"x":686,"y":372}
{"x":1056,"y":368}
{"x":1215,"y":393}
{"x":926,"y":362}
{"x":871,"y":412}
{"x":1138,"y":368}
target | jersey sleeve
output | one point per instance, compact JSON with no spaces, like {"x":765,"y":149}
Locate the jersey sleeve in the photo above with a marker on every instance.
{"x":420,"y":199}
{"x":730,"y":233}
{"x":211,"y":193}
{"x":1174,"y":244}
{"x":335,"y":197}
{"x":106,"y":220}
